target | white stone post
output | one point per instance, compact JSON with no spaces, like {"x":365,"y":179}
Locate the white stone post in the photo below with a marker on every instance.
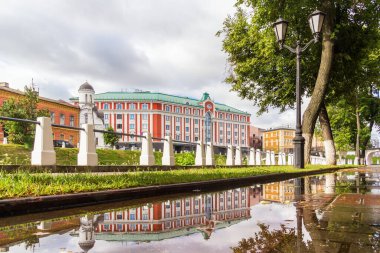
{"x":43,"y":151}
{"x":356,"y":161}
{"x":63,"y":144}
{"x":258,"y":157}
{"x":272,"y":158}
{"x":200,"y":159}
{"x":290,"y":159}
{"x":168,"y":154}
{"x":280,"y":158}
{"x":238,"y":158}
{"x":5,"y":140}
{"x":230,"y":156}
{"x":283,"y":158}
{"x":87,"y":155}
{"x":251,"y":160}
{"x":210,"y":160}
{"x":267,"y":158}
{"x":147,"y":157}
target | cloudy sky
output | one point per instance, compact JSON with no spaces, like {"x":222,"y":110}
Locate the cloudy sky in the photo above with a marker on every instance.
{"x":158,"y":45}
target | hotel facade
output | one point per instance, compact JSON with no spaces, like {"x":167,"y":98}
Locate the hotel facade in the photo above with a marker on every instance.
{"x":185,"y":119}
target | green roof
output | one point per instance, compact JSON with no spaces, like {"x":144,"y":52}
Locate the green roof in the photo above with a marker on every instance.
{"x":156,"y":96}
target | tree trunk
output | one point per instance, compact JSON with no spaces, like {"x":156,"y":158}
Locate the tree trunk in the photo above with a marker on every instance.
{"x":367,"y":139}
{"x":311,"y":113}
{"x":328,"y":140}
{"x":357,"y":145}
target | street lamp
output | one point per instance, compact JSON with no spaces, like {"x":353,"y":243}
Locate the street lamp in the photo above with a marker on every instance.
{"x":280,"y":28}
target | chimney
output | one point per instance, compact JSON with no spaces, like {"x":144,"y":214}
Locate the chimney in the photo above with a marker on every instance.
{"x":4,"y":84}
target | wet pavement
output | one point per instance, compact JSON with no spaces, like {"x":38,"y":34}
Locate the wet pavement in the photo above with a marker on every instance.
{"x":338,"y":212}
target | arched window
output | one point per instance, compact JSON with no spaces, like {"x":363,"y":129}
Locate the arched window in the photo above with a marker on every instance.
{"x":85,"y":98}
{"x":208,"y":127}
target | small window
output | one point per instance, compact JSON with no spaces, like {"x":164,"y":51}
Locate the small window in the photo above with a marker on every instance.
{"x":119,"y":126}
{"x":132,"y":116}
{"x":167,"y":118}
{"x":196,"y":121}
{"x":145,"y":116}
{"x":178,"y":119}
{"x":119,"y":116}
{"x":106,"y":106}
{"x":167,"y":127}
{"x":118,"y":106}
{"x":167,"y":108}
{"x":145,"y":126}
{"x":187,"y":120}
{"x":71,"y":120}
{"x":132,"y":106}
{"x":177,"y":128}
{"x":132,"y":126}
{"x":196,"y":130}
{"x":145,"y":106}
{"x":177,"y":110}
{"x":187,"y":129}
{"x":187,"y":138}
{"x":62,"y":119}
{"x":52,"y":117}
{"x":105,"y":116}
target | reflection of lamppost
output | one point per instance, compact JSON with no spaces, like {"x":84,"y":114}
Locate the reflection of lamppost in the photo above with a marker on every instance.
{"x":280,"y":27}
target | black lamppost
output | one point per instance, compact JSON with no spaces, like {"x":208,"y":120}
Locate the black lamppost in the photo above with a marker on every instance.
{"x":280,"y":27}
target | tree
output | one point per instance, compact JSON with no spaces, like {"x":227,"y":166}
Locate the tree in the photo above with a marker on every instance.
{"x":111,"y":138}
{"x":259,"y":72}
{"x":277,"y":240}
{"x":24,"y":107}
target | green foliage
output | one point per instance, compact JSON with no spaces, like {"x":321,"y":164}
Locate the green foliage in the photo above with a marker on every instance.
{"x":185,"y":159}
{"x":24,"y":108}
{"x":261,"y":73}
{"x":37,"y":184}
{"x":111,"y":139}
{"x":220,"y":159}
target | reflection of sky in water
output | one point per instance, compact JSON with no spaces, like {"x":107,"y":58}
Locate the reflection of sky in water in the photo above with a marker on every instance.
{"x":221,"y":240}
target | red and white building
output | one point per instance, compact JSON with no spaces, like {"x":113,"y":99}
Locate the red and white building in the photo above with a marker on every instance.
{"x":185,"y":119}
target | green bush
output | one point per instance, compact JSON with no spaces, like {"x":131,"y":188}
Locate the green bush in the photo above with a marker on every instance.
{"x":185,"y":159}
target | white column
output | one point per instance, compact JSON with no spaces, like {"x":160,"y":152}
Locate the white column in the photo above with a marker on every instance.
{"x":168,"y":154}
{"x":280,"y":158}
{"x":87,"y":155}
{"x":200,"y":159}
{"x":146,"y":157}
{"x":230,"y":156}
{"x":210,"y":160}
{"x":238,"y":159}
{"x":272,"y":158}
{"x":5,"y":140}
{"x":251,"y":160}
{"x":289,"y":159}
{"x":258,"y":157}
{"x":43,"y":151}
{"x":267,"y":158}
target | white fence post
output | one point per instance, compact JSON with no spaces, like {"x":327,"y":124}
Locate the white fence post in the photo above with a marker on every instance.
{"x":147,"y":157}
{"x":251,"y":160}
{"x":168,"y":154}
{"x":238,"y":159}
{"x":200,"y":159}
{"x":230,"y":156}
{"x":279,"y":158}
{"x":87,"y":155}
{"x":210,"y":160}
{"x":43,"y":151}
{"x":272,"y":158}
{"x":267,"y":158}
{"x":258,"y":157}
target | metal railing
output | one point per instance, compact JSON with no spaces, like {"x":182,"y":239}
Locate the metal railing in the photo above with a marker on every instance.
{"x":118,"y":133}
{"x":20,"y":120}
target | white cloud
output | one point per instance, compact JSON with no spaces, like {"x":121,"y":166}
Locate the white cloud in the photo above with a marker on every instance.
{"x":167,"y":45}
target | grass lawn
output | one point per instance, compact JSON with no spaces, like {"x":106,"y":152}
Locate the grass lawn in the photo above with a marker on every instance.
{"x":23,"y":184}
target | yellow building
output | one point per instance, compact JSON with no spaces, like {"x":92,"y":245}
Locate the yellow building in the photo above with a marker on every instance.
{"x":279,"y":139}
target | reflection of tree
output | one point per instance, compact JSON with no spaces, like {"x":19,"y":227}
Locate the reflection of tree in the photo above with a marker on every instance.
{"x":31,"y":241}
{"x":276,"y":240}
